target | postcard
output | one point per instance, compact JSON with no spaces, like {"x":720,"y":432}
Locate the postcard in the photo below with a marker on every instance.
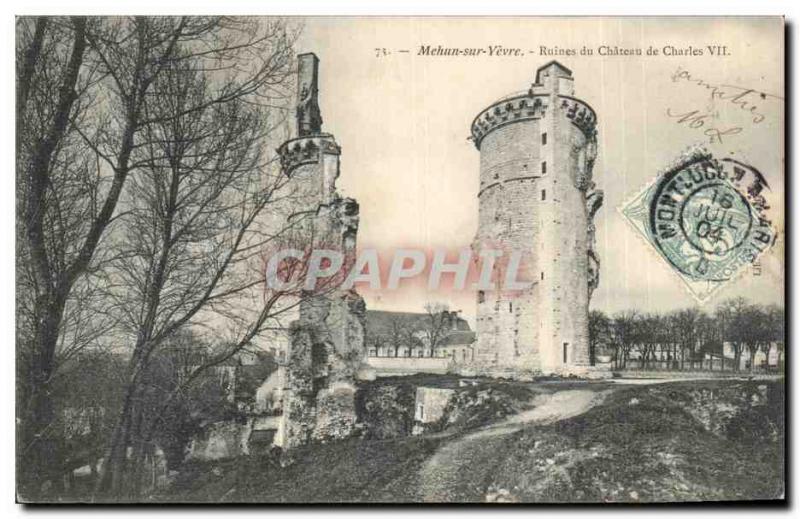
{"x":495,"y":260}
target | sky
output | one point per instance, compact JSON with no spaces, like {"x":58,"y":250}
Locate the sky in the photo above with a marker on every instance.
{"x":403,"y":122}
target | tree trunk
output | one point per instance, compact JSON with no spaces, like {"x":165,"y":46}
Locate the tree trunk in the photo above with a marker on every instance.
{"x":109,"y":484}
{"x":38,"y":412}
{"x":766,"y":349}
{"x":28,"y":68}
{"x":36,"y":450}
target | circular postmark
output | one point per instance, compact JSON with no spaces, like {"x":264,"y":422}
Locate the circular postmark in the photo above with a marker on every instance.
{"x":706,"y":217}
{"x":715,"y":218}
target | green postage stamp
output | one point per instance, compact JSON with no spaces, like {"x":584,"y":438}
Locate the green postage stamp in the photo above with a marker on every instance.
{"x":705,"y":217}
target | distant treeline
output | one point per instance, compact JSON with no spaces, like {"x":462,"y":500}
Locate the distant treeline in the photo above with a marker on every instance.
{"x":684,"y":339}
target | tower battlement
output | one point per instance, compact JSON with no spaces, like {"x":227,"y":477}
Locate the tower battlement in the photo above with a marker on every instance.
{"x":580,"y":113}
{"x":507,"y":111}
{"x":311,"y":158}
{"x":531,"y":106}
{"x":302,"y":151}
{"x":553,"y":86}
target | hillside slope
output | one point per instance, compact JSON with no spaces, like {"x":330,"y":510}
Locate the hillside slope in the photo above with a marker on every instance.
{"x":684,"y":441}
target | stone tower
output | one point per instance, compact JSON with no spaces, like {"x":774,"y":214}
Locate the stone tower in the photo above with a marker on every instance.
{"x":311,"y":159}
{"x":326,"y":348}
{"x":536,"y":196}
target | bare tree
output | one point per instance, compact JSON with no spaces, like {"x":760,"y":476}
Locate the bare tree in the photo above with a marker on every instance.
{"x":49,"y":58}
{"x":685,"y":326}
{"x":775,"y":331}
{"x":758,"y":335}
{"x":84,"y":122}
{"x":709,"y":337}
{"x":196,"y":225}
{"x":599,"y":333}
{"x":398,"y":334}
{"x":438,"y":323}
{"x":648,"y":334}
{"x":731,"y":316}
{"x":66,"y":197}
{"x":683,"y":337}
{"x":625,"y":331}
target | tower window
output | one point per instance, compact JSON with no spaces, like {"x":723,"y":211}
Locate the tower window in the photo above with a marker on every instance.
{"x":510,"y":307}
{"x":542,"y":275}
{"x":566,"y":348}
{"x":544,"y":194}
{"x":544,"y":168}
{"x":544,"y":138}
{"x":481,"y":296}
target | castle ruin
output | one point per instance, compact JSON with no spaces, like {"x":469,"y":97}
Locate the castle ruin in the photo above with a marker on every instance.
{"x":536,"y":195}
{"x":326,"y":348}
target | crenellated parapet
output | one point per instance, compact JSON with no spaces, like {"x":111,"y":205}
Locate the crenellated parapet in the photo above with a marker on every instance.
{"x":580,"y":113}
{"x":306,"y":150}
{"x":506,"y":111}
{"x":531,"y":106}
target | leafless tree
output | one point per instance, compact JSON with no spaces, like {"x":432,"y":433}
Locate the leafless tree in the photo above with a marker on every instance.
{"x":439,"y":320}
{"x":775,"y":330}
{"x":198,"y":217}
{"x":625,"y":331}
{"x":689,"y":334}
{"x":730,"y":316}
{"x":88,"y":120}
{"x":399,"y":334}
{"x":599,"y":334}
{"x":685,"y":330}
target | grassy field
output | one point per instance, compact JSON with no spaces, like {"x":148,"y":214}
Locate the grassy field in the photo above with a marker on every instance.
{"x":684,"y":441}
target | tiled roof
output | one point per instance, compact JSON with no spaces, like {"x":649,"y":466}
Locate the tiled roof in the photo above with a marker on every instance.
{"x":380,"y":322}
{"x":458,"y":338}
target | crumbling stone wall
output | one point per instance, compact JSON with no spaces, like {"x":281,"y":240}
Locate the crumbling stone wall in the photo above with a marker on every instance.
{"x":327,"y":352}
{"x":430,"y":407}
{"x":386,"y":410}
{"x":327,"y":342}
{"x":221,"y":440}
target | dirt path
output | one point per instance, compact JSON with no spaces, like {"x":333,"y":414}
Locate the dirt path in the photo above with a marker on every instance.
{"x":458,"y":470}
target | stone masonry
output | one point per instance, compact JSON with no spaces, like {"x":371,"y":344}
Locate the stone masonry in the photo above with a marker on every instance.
{"x":536,"y":195}
{"x":327,"y":346}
